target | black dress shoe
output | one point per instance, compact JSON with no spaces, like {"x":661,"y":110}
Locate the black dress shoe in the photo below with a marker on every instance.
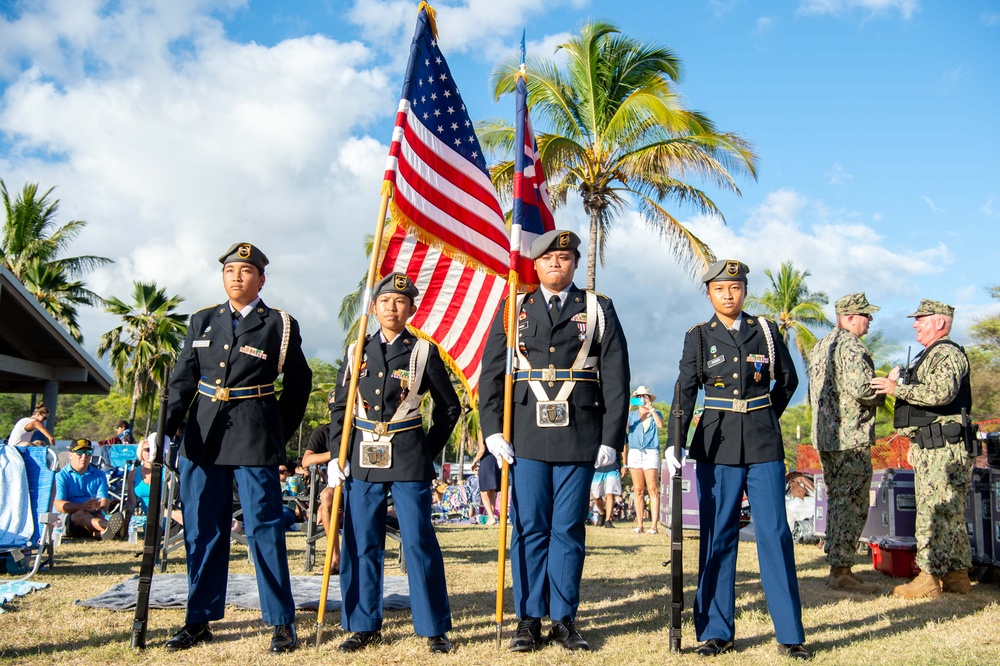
{"x":713,"y":647}
{"x":608,"y":523}
{"x":189,"y":636}
{"x":439,"y":644}
{"x":528,"y":636}
{"x":283,"y":639}
{"x":564,"y":633}
{"x":795,"y":651}
{"x":359,"y":640}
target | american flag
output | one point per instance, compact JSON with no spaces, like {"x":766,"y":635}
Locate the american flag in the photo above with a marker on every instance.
{"x":448,"y":232}
{"x":532,"y":209}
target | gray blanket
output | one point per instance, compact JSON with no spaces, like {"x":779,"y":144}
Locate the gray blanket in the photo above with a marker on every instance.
{"x":171,"y":591}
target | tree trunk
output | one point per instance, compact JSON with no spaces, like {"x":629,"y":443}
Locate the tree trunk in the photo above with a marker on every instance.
{"x":592,"y":252}
{"x":136,"y":388}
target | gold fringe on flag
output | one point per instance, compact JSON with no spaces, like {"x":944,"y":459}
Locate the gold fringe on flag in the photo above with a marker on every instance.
{"x":431,"y":17}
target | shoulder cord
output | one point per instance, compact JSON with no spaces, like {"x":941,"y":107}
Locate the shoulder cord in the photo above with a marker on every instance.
{"x":770,"y":345}
{"x":286,"y":332}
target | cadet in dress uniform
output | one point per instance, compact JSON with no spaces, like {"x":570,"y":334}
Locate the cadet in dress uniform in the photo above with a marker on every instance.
{"x":749,"y":378}
{"x":570,"y":405}
{"x":223,"y":384}
{"x":390,"y":451}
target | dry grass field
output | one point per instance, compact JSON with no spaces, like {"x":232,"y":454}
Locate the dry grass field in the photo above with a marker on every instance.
{"x":624,"y":613}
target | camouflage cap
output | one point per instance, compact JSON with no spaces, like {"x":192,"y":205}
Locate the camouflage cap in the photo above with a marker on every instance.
{"x":550,"y":241}
{"x":726,"y":270}
{"x":244,"y":252}
{"x":396,"y":283}
{"x":929,"y":307}
{"x":855,"y":304}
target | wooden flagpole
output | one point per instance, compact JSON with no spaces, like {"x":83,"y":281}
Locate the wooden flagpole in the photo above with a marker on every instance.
{"x":510,"y":318}
{"x":333,"y":520}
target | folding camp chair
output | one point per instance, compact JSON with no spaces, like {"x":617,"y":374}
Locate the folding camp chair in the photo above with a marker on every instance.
{"x":315,"y":532}
{"x":121,"y":459}
{"x":169,"y":541}
{"x":39,"y":463}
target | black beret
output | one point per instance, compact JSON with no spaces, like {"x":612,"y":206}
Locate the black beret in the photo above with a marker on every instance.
{"x":244,"y":252}
{"x":551,"y":241}
{"x":396,"y":283}
{"x":726,"y":270}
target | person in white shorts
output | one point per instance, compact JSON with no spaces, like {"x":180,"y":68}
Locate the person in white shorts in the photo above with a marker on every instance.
{"x":642,"y":456}
{"x":606,"y":486}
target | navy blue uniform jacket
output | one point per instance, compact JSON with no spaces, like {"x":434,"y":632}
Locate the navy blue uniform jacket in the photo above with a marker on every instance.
{"x":598,"y":411}
{"x":413,"y":452}
{"x":238,"y":432}
{"x":730,"y":438}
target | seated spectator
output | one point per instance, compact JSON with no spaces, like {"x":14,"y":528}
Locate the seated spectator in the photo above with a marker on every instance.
{"x":318,"y":453}
{"x":138,"y":482}
{"x":291,"y":515}
{"x":123,"y":435}
{"x":82,"y":493}
{"x":24,"y":430}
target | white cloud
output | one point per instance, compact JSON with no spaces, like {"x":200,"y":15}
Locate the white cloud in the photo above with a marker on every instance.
{"x":172,"y":159}
{"x":837,"y":176}
{"x":990,"y":19}
{"x":657,"y":301}
{"x":949,"y":81}
{"x":933,"y":206}
{"x":480,"y":27}
{"x":871,"y":8}
{"x":987,"y":208}
{"x":764,"y":24}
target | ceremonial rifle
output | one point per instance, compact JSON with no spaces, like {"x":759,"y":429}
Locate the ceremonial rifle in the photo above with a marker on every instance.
{"x":151,"y":539}
{"x":676,"y":529}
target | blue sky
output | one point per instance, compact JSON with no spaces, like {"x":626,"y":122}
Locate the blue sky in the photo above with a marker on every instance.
{"x":177,"y":128}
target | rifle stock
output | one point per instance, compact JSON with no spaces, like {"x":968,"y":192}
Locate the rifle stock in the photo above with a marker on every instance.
{"x":151,"y":538}
{"x":676,"y":533}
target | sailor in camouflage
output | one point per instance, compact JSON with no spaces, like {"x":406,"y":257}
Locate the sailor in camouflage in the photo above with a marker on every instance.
{"x":928,"y":410}
{"x":843,"y":429}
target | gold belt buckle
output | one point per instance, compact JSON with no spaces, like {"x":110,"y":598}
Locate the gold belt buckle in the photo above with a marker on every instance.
{"x":548,"y":374}
{"x":221,"y":393}
{"x":379,"y":428}
{"x":740,"y":406}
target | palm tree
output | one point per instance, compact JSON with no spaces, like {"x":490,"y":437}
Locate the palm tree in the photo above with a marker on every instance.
{"x":620,"y":137}
{"x":59,"y":295}
{"x":790,"y":303}
{"x":349,"y":316}
{"x":144,"y":347}
{"x":30,"y":248}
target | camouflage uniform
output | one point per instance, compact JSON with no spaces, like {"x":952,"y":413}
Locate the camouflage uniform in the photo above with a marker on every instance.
{"x":942,"y":475}
{"x":843,"y":426}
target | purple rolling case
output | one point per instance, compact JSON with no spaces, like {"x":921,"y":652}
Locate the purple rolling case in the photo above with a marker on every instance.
{"x":978,"y":517}
{"x":892,"y":506}
{"x":689,"y":495}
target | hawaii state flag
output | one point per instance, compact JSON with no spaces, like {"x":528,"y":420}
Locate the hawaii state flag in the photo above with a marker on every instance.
{"x":532,"y":214}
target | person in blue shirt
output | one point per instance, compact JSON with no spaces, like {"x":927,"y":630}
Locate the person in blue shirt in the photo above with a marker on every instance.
{"x":82,"y":492}
{"x":642,"y":456}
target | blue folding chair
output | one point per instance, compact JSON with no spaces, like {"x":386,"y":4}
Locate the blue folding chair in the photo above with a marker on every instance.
{"x":40,"y":467}
{"x":121,"y":458}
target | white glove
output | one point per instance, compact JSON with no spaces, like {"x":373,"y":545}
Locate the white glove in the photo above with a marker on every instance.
{"x":154,"y":441}
{"x":673,"y":464}
{"x":499,"y":447}
{"x":605,"y":456}
{"x":334,"y":475}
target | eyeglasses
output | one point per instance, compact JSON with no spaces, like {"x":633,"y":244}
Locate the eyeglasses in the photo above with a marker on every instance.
{"x":84,"y":454}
